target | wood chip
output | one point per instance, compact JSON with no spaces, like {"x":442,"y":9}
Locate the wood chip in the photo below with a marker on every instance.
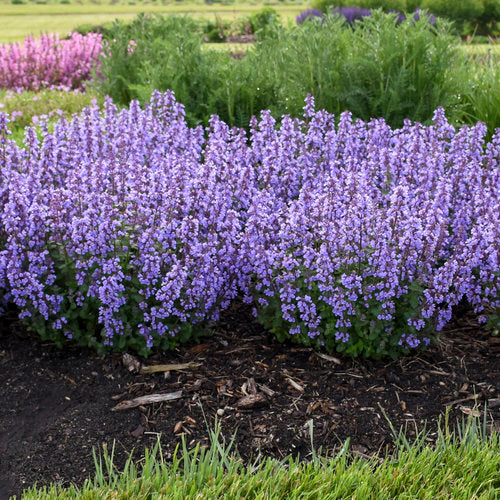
{"x":146,"y":400}
{"x":252,"y":401}
{"x":168,"y":368}
{"x":131,"y":363}
{"x":348,"y":374}
{"x":494,"y":403}
{"x":138,"y":432}
{"x":312,"y":407}
{"x":259,"y":363}
{"x":328,"y":358}
{"x":295,"y":385}
{"x":116,"y":397}
{"x":197,"y":348}
{"x":267,"y":390}
{"x":249,"y":387}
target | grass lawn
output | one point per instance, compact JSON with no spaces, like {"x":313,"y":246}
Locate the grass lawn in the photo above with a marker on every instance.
{"x":19,"y":21}
{"x":482,"y":49}
{"x":459,"y":467}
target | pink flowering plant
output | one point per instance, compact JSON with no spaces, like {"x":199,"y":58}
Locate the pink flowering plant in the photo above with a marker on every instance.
{"x":127,"y":229}
{"x":49,"y":61}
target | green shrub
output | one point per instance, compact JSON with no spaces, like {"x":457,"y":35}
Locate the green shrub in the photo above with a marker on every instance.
{"x":167,"y":55}
{"x":487,"y":22}
{"x":264,"y":22}
{"x":28,"y":107}
{"x":483,"y":98}
{"x":470,"y":16}
{"x":376,"y":69}
{"x":217,"y":31}
{"x":84,"y":29}
{"x":412,"y":5}
{"x":456,"y":10}
{"x":385,"y":5}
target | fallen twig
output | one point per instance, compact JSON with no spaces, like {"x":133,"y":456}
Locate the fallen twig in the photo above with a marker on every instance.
{"x":295,"y":385}
{"x":329,"y":358}
{"x":146,"y":400}
{"x":168,"y":368}
{"x":468,"y":398}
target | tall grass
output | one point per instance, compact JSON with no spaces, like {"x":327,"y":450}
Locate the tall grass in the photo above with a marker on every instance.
{"x":461,"y":465}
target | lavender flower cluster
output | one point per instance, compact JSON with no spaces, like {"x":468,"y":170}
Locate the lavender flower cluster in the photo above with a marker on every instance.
{"x":353,"y":14}
{"x":350,"y":14}
{"x":127,"y":227}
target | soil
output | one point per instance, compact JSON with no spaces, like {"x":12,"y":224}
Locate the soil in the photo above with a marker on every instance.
{"x":57,"y":405}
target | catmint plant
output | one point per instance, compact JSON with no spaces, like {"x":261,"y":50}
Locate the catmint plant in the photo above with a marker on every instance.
{"x":128,"y":229}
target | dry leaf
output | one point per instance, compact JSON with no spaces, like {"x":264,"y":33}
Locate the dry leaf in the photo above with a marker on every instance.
{"x":252,"y":400}
{"x":470,"y":411}
{"x":329,"y":358}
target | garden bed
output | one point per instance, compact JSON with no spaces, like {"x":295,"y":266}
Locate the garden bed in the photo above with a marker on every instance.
{"x":58,"y":404}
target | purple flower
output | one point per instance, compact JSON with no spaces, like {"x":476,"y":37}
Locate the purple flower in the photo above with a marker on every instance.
{"x":308,"y":15}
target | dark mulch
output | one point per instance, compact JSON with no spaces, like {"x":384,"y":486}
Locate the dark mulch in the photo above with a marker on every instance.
{"x":57,"y":405}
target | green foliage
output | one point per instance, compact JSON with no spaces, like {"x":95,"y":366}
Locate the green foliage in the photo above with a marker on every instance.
{"x":385,"y":5}
{"x":84,"y":29}
{"x":456,"y":10}
{"x":374,"y":70}
{"x":217,"y":31}
{"x":18,"y":2}
{"x":29,"y":106}
{"x":412,"y":5}
{"x":488,"y":21}
{"x":470,"y":16}
{"x":483,"y":97}
{"x":377,"y":69}
{"x":264,"y":22}
{"x":167,"y":54}
{"x":369,"y":336}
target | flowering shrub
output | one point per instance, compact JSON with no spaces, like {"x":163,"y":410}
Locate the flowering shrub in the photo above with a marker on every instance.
{"x":49,"y":61}
{"x":363,"y":238}
{"x":308,"y":15}
{"x":349,"y":14}
{"x":115,"y":232}
{"x":353,"y":14}
{"x":129,"y":229}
